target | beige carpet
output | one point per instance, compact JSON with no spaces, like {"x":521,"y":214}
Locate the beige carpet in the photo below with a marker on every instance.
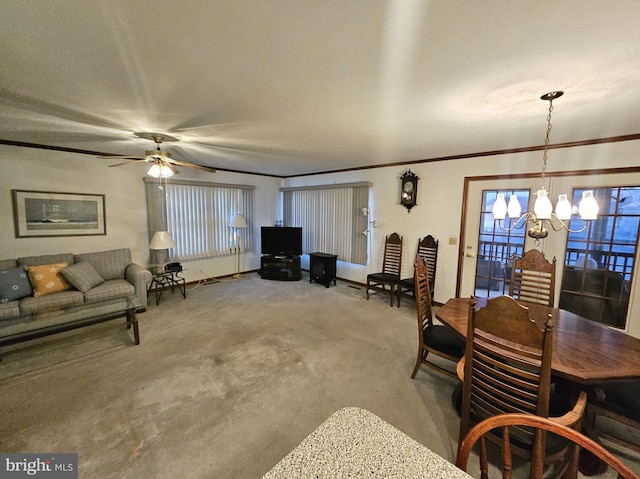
{"x":224,"y":384}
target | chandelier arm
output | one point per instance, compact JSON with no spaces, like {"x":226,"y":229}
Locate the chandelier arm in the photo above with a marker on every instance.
{"x":522,"y":220}
{"x":564,"y":225}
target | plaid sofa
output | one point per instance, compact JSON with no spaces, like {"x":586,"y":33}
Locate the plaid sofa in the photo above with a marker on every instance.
{"x":117,"y":277}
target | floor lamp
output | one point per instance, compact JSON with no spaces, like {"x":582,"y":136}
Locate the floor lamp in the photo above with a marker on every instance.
{"x":237,"y":223}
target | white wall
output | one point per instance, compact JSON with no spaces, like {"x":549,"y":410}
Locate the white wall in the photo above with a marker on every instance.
{"x":439,"y":205}
{"x":438,"y":211}
{"x":126,"y":213}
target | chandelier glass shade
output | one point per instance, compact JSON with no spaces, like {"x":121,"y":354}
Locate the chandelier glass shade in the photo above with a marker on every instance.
{"x":543,"y":215}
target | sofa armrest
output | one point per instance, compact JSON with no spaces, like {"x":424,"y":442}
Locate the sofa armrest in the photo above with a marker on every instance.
{"x":140,"y":278}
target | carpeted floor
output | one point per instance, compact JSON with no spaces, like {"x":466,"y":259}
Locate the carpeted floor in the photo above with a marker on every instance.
{"x":223,"y":384}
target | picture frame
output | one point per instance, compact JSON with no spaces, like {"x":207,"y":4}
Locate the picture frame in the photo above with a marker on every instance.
{"x":46,"y":213}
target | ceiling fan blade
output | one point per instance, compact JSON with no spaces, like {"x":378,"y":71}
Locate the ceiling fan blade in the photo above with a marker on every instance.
{"x":122,"y":157}
{"x":120,"y":164}
{"x":173,"y":168}
{"x":193,"y":165}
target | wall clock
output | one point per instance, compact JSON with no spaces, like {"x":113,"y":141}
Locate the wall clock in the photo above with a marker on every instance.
{"x":409,"y":190}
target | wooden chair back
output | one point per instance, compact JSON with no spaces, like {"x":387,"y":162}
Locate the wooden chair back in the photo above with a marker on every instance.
{"x":507,"y":367}
{"x":428,"y":251}
{"x":510,"y":422}
{"x":423,"y":295}
{"x":533,"y":278}
{"x":392,"y":259}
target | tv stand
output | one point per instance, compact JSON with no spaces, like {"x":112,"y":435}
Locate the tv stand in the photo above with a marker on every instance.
{"x":281,"y":268}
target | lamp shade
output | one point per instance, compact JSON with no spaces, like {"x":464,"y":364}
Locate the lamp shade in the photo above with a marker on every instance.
{"x":542,"y":207}
{"x":499,"y":209}
{"x":238,"y":222}
{"x":563,"y":208}
{"x":159,"y":170}
{"x":514,"y":209}
{"x":161,"y":240}
{"x":588,"y":206}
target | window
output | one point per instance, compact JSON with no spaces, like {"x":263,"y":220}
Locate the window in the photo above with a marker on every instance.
{"x":331,"y":218}
{"x":599,"y":262}
{"x":197,"y":215}
{"x":496,"y":247}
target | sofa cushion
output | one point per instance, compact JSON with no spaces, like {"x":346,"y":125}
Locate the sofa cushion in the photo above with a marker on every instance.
{"x":46,"y":278}
{"x":8,"y":263}
{"x":46,"y":259}
{"x":109,"y":264}
{"x":14,"y":284}
{"x":83,"y":276}
{"x":63,"y":299}
{"x":115,"y":288}
{"x":9,"y":310}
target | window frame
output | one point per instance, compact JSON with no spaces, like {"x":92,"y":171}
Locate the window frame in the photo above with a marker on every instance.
{"x":197,"y":215}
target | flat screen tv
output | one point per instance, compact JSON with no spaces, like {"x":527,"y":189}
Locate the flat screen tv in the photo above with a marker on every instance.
{"x":281,"y":240}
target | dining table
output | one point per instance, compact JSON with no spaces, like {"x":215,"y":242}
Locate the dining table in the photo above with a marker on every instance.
{"x":584,"y":351}
{"x":585,"y":354}
{"x":354,"y":442}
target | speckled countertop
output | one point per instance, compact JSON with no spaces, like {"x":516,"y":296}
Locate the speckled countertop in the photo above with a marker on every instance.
{"x":354,"y":443}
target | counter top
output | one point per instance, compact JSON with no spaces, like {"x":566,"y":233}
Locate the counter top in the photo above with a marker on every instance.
{"x":353,"y":443}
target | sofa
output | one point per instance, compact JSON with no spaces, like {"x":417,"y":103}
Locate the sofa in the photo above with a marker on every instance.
{"x":33,"y":284}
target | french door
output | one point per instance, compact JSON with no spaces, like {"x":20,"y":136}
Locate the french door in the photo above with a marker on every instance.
{"x":601,"y":289}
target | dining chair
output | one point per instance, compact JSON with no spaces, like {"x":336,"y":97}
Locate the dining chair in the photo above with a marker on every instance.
{"x":510,"y":424}
{"x":533,"y":278}
{"x":428,"y":250}
{"x":613,"y":413}
{"x":507,"y":369}
{"x":386,"y":281}
{"x":438,"y":339}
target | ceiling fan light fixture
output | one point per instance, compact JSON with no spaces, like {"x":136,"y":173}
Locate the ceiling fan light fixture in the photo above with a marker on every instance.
{"x":158,"y":170}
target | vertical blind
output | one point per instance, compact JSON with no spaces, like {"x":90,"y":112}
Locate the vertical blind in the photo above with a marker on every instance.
{"x":331,"y":218}
{"x":197,"y":215}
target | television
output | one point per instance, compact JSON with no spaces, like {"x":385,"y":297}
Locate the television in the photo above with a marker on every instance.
{"x":281,"y":240}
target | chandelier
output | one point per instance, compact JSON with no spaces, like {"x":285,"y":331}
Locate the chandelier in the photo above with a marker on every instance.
{"x":543,"y":215}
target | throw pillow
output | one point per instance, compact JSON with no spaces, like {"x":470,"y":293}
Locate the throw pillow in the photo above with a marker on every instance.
{"x":46,"y":278}
{"x":82,"y":275}
{"x":14,"y":284}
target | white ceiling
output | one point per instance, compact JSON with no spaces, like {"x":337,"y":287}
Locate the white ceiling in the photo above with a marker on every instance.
{"x":288,"y":87}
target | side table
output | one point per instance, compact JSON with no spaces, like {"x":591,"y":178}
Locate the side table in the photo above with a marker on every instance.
{"x":322,"y":268}
{"x":166,"y":279}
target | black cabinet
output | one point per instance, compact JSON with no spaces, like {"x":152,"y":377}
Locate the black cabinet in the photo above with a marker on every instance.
{"x":280,"y":268}
{"x":322,"y":268}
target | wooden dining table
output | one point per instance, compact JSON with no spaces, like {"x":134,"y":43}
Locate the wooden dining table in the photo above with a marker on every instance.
{"x":584,"y":351}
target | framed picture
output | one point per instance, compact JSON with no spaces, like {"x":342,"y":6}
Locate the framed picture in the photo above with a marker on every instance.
{"x":44,"y":213}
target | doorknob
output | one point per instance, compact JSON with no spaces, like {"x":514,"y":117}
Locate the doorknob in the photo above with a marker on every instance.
{"x":469,"y":253}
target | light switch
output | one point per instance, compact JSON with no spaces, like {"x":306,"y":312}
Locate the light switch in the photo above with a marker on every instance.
{"x":453,"y":240}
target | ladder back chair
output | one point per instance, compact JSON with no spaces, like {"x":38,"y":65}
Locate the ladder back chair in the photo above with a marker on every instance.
{"x":509,"y":423}
{"x":533,"y":278}
{"x":507,"y":369}
{"x":614,"y":413}
{"x":386,"y":281}
{"x":438,"y":339}
{"x":428,"y":250}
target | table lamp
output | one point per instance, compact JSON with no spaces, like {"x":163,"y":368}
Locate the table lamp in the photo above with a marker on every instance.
{"x":161,"y":242}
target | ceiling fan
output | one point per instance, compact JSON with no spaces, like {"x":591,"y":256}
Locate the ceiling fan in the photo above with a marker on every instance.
{"x":164,"y":165}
